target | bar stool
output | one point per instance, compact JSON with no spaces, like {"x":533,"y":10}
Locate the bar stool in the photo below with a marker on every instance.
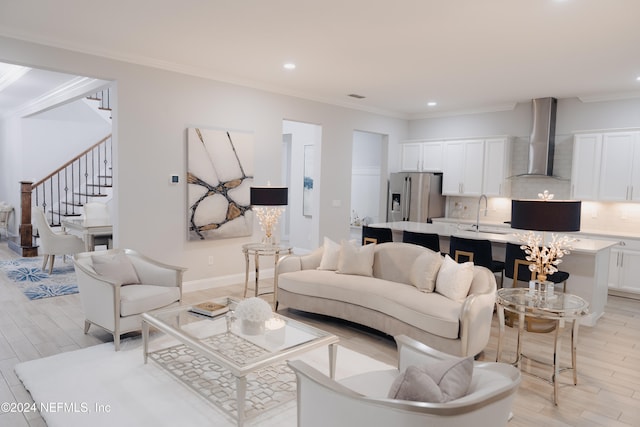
{"x":376,"y":235}
{"x":477,"y":251}
{"x":428,"y":240}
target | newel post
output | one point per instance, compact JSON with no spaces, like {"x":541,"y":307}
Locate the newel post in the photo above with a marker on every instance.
{"x":26,"y":229}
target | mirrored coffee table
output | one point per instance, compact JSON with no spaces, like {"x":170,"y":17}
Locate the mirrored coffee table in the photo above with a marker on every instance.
{"x":243,"y":375}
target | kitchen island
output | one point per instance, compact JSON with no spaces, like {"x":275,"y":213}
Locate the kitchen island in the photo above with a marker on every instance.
{"x":588,"y":262}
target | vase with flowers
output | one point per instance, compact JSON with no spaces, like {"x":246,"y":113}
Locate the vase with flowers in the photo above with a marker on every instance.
{"x":253,"y":313}
{"x":544,"y":259}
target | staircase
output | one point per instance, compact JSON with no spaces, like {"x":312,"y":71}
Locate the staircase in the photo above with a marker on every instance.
{"x":63,"y":192}
{"x":87,"y":176}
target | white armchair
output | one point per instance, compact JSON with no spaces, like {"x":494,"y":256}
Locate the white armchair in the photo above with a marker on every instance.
{"x":118,"y":285}
{"x":362,"y":399}
{"x":52,"y":243}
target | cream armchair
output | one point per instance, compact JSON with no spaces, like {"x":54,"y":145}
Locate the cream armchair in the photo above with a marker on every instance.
{"x":118,"y":285}
{"x":362,"y":399}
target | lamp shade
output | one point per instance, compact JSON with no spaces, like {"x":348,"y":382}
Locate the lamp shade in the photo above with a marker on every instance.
{"x":269,"y":196}
{"x":546,"y":215}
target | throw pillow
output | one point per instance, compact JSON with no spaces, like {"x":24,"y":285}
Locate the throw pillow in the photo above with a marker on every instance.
{"x":437,"y":382}
{"x":115,"y":267}
{"x":330,"y":255}
{"x":357,"y":260}
{"x":454,"y":280}
{"x":425,"y":270}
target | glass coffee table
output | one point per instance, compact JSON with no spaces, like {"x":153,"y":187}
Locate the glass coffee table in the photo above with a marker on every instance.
{"x":243,"y":375}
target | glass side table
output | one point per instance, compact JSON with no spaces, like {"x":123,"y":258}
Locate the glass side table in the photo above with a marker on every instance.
{"x":262,"y":249}
{"x":560,"y":307}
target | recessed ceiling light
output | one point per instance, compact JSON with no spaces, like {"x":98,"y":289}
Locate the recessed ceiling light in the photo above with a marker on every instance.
{"x":432,"y":104}
{"x":638,"y":78}
{"x":289,"y":66}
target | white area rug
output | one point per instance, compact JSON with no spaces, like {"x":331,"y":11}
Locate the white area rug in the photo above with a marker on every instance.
{"x":97,"y":386}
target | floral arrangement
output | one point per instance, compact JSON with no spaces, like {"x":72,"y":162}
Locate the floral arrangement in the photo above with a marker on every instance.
{"x":254,"y":310}
{"x":545,"y":259}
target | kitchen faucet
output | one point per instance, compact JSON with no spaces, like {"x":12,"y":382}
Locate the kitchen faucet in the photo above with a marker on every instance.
{"x":486,"y":208}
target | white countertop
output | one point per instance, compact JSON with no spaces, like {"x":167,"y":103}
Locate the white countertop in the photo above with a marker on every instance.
{"x":494,"y":233}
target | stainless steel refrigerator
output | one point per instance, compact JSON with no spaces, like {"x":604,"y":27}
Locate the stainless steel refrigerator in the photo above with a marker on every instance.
{"x":415,"y":196}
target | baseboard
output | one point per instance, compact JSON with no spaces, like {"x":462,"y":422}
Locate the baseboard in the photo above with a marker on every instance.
{"x":222,"y":281}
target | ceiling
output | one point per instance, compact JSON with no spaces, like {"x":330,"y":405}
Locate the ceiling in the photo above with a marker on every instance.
{"x":466,"y":55}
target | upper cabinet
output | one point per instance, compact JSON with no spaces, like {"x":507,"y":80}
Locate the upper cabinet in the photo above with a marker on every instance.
{"x":470,"y":167}
{"x":497,"y":167}
{"x":606,"y":167}
{"x":620,"y":169}
{"x":422,"y":156}
{"x":463,"y":168}
{"x":585,"y":171}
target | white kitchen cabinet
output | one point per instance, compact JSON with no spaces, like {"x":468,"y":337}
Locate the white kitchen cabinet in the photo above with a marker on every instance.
{"x":411,"y":157}
{"x":463,"y":168}
{"x":624,"y":270}
{"x":620,"y":168}
{"x":422,"y":156}
{"x":585,"y":171}
{"x":497,"y":167}
{"x":432,"y":153}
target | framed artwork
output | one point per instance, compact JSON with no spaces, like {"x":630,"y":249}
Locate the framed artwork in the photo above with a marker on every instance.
{"x":219,"y":175}
{"x":307,"y":189}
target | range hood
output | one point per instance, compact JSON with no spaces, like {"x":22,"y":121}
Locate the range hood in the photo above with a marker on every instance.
{"x":542,"y":140}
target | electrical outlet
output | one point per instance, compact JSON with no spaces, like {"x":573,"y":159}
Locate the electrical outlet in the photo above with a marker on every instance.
{"x":210,"y":260}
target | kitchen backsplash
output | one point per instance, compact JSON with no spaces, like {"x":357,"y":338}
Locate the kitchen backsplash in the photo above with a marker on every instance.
{"x":618,"y":218}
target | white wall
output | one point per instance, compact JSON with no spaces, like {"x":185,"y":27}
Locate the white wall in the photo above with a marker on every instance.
{"x":62,"y":134}
{"x":153,"y":110}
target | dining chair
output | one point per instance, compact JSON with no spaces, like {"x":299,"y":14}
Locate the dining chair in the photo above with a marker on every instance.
{"x":53,"y":243}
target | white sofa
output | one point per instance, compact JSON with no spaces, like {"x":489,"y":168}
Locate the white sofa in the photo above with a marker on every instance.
{"x":364,"y":399}
{"x":388,"y":301}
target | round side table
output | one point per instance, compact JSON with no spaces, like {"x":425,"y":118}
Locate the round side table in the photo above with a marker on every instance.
{"x":561,"y":307}
{"x":261,"y":249}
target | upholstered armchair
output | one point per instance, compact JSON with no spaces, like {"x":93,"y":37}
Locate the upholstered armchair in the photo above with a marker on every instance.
{"x":362,"y":399}
{"x":118,"y":285}
{"x":54,"y":243}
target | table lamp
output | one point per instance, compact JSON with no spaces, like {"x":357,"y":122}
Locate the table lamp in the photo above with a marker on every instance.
{"x":545,"y":214}
{"x":268,"y":202}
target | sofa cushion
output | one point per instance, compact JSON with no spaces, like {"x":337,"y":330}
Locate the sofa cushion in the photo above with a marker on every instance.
{"x":424,"y":270}
{"x":330,"y":255}
{"x":431,"y":312}
{"x":393,"y":261}
{"x":116,"y":267}
{"x":355,"y":259}
{"x":436,"y":382}
{"x":137,"y":299}
{"x":454,"y":280}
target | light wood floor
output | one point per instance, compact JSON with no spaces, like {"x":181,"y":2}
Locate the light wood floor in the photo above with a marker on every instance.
{"x":607,"y":394}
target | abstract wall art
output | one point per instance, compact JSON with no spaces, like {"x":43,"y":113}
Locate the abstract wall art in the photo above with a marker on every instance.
{"x":219,"y":175}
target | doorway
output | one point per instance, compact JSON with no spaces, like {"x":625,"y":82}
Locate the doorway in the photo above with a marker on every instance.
{"x":301,"y":157}
{"x":368,"y":179}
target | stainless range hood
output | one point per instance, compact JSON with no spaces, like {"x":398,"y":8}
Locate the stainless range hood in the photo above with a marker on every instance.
{"x":543,"y":133}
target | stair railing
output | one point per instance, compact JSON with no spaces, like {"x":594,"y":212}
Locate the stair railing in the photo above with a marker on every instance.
{"x":64,"y":191}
